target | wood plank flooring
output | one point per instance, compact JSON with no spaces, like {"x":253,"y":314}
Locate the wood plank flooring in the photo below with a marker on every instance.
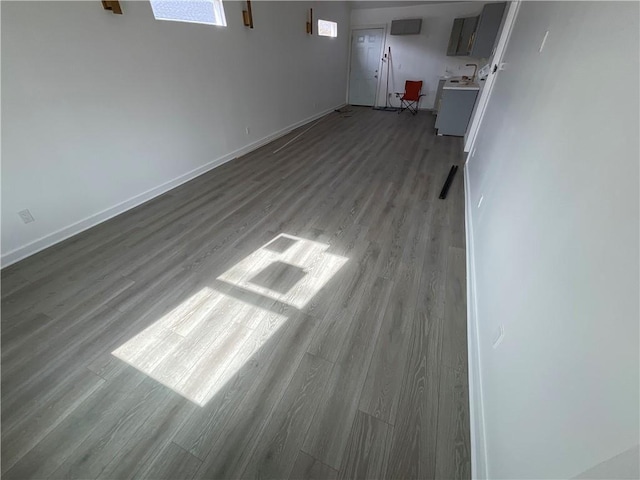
{"x":298,"y":314}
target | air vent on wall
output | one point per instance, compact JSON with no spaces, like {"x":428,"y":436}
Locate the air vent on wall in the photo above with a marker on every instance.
{"x":410,"y":26}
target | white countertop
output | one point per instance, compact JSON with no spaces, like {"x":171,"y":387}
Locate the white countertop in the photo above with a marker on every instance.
{"x":456,"y":84}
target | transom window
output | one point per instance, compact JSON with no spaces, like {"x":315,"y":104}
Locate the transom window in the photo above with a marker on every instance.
{"x":327,"y":28}
{"x":209,"y":12}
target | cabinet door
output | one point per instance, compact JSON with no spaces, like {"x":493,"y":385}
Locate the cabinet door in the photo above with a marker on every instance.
{"x":487,"y":31}
{"x":455,"y":112}
{"x":454,"y":39}
{"x":466,"y":37}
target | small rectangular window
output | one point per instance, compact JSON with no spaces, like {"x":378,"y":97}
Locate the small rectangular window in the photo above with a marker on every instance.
{"x":327,"y":28}
{"x":209,"y":12}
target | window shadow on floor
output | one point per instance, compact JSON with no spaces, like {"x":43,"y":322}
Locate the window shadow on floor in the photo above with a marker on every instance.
{"x":279,"y":277}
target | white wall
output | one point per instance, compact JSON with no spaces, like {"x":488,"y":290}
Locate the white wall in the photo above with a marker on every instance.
{"x":101,"y":112}
{"x":622,"y":466}
{"x":419,"y":57}
{"x":555,"y":247}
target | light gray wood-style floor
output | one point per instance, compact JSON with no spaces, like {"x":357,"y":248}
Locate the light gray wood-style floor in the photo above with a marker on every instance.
{"x":298,"y":314}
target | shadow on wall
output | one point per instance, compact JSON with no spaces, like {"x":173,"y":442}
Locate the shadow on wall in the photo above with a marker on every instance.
{"x":623,"y":466}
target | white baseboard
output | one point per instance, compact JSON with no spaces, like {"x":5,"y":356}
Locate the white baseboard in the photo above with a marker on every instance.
{"x":479,"y":467}
{"x":58,"y":236}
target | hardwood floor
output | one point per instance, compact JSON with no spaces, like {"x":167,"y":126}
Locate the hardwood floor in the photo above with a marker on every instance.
{"x":298,"y":314}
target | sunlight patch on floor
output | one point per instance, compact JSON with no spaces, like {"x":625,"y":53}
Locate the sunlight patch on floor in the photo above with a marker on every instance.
{"x":307,"y":255}
{"x":201,"y":344}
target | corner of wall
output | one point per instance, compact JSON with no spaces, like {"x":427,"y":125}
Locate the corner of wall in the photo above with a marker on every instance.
{"x":479,"y":466}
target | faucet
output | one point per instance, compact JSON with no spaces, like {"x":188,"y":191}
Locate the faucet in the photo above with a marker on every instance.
{"x":475,"y":70}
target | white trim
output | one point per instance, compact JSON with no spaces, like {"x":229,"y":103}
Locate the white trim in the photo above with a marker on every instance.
{"x":382,"y":26}
{"x":479,"y":465}
{"x":59,"y":235}
{"x":496,"y":59}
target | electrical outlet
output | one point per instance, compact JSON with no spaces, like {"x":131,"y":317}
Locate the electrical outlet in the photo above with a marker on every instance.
{"x":26,"y":216}
{"x":480,"y":201}
{"x":247,"y":131}
{"x":499,"y":337}
{"x":544,"y":40}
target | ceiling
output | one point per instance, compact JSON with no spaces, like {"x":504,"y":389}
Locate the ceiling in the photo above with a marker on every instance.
{"x":358,"y":4}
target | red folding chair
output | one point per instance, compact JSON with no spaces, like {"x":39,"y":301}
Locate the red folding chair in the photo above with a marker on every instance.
{"x":411,"y":97}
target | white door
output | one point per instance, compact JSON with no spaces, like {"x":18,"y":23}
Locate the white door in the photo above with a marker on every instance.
{"x":366,"y":56}
{"x":496,"y":65}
